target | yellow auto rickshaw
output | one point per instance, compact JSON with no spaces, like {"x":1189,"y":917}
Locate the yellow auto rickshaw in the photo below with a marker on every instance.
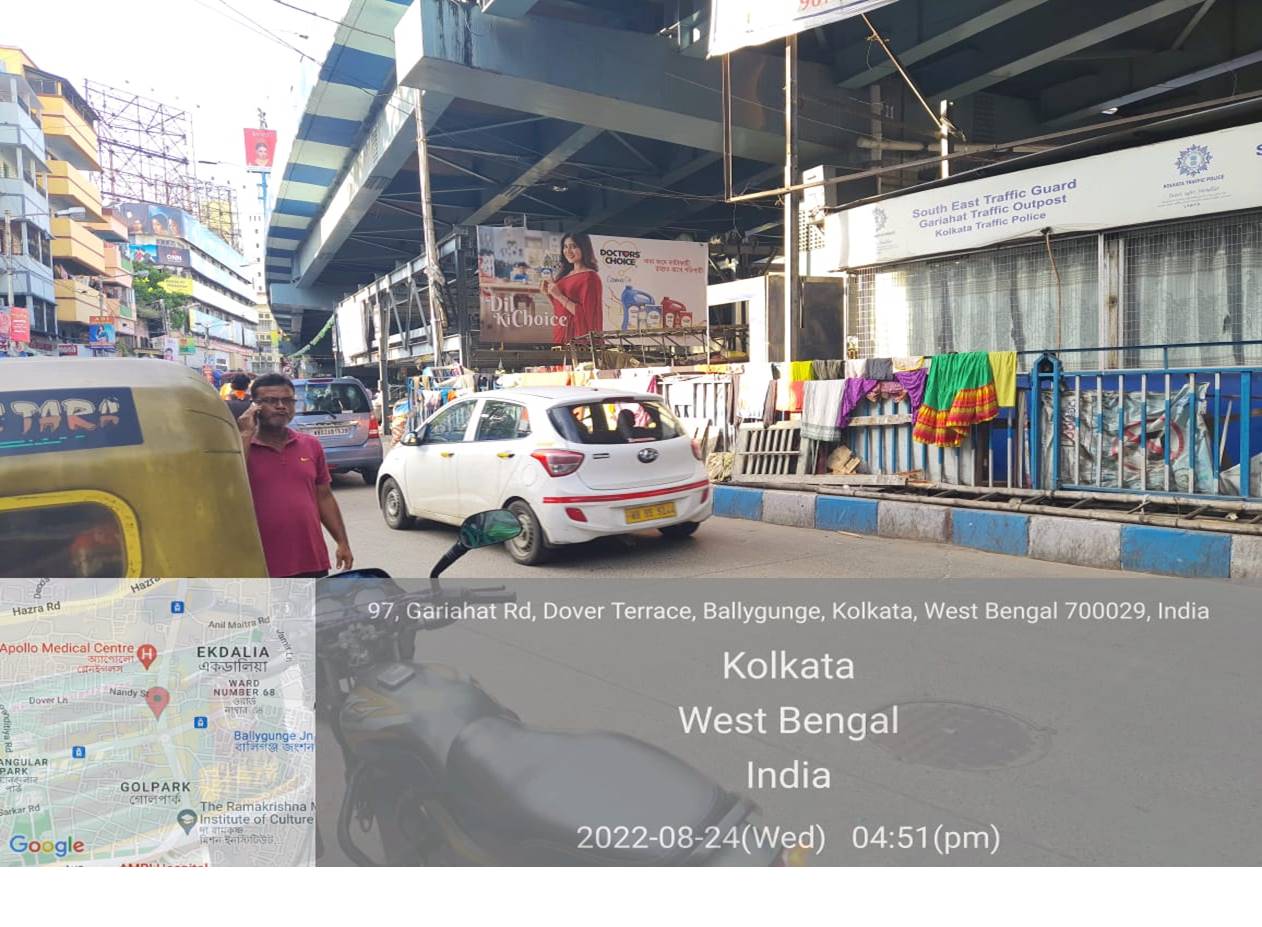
{"x":120,"y":467}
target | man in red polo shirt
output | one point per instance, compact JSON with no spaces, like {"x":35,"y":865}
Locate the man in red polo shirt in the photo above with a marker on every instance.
{"x":290,"y":482}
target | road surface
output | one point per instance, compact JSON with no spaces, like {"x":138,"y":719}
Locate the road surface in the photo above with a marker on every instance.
{"x":723,"y":547}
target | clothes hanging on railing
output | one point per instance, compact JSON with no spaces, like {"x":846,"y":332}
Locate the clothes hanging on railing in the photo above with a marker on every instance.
{"x":821,"y":410}
{"x":879,"y":369}
{"x":1003,"y":367}
{"x":908,"y":363}
{"x":855,"y":391}
{"x":793,"y":378}
{"x":769,"y":406}
{"x":828,"y":370}
{"x":960,"y":393}
{"x":755,"y":382}
{"x":913,"y":381}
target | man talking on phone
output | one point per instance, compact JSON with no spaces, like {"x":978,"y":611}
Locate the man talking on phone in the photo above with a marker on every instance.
{"x":290,"y":482}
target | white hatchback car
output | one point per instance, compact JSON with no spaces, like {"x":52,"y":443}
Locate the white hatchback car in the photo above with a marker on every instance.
{"x":571,"y":463}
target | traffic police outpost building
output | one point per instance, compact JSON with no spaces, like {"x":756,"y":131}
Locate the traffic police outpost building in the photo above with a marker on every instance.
{"x":1151,"y":245}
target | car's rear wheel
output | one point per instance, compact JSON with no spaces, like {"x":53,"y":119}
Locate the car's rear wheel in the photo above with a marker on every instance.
{"x":529,"y":547}
{"x":393,"y":507}
{"x":684,"y":529}
{"x":370,"y":475}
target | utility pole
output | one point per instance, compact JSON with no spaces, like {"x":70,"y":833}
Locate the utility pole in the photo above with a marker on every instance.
{"x":383,"y":362}
{"x":100,"y":299}
{"x":791,"y":235}
{"x":8,"y":273}
{"x":433,"y":273}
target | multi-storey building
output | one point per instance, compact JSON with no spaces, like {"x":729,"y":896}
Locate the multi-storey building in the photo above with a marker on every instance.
{"x":222,"y":313}
{"x":267,"y":355}
{"x":59,"y":199}
{"x":26,"y":272}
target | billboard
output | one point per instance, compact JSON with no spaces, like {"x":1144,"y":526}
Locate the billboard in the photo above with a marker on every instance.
{"x":19,"y":325}
{"x":260,"y":149}
{"x":173,"y":257}
{"x":740,"y":23}
{"x":148,"y":219}
{"x":548,"y":288}
{"x":101,"y":332}
{"x":164,"y":255}
{"x":4,"y":330}
{"x":178,"y":286}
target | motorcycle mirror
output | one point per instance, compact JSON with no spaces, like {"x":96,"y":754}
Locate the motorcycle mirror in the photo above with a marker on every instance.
{"x":487,"y":529}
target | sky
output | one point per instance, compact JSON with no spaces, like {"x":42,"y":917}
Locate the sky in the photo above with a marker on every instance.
{"x":198,"y":55}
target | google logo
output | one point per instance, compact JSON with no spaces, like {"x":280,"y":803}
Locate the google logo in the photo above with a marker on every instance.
{"x":59,"y":848}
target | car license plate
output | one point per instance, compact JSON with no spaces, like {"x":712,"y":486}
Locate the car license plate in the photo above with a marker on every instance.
{"x":650,"y":512}
{"x":329,"y":432}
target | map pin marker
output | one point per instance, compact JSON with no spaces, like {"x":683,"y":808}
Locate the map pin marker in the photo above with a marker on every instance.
{"x":146,"y":654}
{"x":187,"y":819}
{"x":157,"y":697}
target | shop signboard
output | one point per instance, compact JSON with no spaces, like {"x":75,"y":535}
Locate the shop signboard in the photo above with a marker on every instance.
{"x":1172,"y":180}
{"x":547,"y":288}
{"x":4,"y":329}
{"x":188,"y":345}
{"x":67,"y":350}
{"x":740,"y":23}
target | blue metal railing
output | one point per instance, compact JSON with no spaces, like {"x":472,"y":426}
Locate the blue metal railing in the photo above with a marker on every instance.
{"x":1177,"y":431}
{"x":1167,"y":430}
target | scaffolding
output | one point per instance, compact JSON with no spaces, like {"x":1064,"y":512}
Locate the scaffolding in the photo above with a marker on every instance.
{"x":147,"y":156}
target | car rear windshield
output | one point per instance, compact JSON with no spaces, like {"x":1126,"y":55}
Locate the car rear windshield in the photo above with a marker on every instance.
{"x":617,"y":421}
{"x":330,"y":398}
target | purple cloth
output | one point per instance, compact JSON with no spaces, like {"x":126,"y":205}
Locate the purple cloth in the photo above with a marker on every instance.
{"x":854,"y":393}
{"x":914,"y":382}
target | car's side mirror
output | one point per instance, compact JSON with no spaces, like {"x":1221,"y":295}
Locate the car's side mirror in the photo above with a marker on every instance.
{"x":486,"y":529}
{"x":412,"y":438}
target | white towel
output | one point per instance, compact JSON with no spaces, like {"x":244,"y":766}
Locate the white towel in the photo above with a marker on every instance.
{"x":821,"y":408}
{"x":752,"y":399}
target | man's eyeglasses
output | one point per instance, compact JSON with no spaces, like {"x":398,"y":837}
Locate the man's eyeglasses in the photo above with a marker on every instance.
{"x":277,"y":402}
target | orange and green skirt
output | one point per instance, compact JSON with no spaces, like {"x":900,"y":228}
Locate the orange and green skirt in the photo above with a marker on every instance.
{"x":960,"y":393}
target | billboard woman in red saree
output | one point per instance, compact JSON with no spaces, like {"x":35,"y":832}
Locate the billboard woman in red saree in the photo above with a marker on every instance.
{"x":577,"y":294}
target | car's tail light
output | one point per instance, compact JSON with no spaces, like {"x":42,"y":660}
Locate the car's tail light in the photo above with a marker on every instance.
{"x":575,"y":514}
{"x":696,"y":449}
{"x":705,"y":493}
{"x":558,"y":462}
{"x":374,"y":429}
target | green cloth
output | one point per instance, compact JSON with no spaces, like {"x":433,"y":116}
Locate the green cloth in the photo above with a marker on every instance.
{"x":950,"y":373}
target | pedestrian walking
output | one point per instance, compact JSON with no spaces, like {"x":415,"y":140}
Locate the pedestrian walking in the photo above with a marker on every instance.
{"x":238,"y":397}
{"x":291,"y":485}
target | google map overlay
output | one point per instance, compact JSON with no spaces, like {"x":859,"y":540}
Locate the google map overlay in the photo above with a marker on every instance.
{"x":156,"y":723}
